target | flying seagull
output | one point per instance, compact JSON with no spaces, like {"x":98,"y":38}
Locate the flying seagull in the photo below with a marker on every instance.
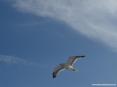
{"x":69,"y":65}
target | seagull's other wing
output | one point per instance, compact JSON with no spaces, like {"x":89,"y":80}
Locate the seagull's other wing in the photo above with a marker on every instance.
{"x":57,"y":70}
{"x":73,"y":59}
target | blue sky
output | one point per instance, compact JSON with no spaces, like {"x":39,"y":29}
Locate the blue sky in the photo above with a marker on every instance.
{"x":36,"y":35}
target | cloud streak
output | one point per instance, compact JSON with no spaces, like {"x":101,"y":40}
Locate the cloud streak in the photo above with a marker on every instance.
{"x":95,"y":19}
{"x":14,"y":60}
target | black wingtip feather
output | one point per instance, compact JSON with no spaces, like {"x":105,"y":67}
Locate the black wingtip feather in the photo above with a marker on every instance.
{"x":54,"y":76}
{"x":80,"y":56}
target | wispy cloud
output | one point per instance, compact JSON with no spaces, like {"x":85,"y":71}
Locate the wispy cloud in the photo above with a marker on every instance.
{"x":94,"y":18}
{"x":14,"y":60}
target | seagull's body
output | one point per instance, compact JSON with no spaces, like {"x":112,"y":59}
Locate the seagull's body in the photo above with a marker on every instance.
{"x":69,"y":65}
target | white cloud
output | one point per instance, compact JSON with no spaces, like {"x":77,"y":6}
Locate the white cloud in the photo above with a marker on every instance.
{"x":94,"y":18}
{"x":4,"y":59}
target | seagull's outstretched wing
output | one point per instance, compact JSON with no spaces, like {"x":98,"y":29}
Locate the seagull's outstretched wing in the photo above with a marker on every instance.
{"x":57,"y":70}
{"x":73,"y":59}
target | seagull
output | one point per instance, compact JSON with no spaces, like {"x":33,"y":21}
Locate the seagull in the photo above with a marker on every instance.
{"x":69,"y":65}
